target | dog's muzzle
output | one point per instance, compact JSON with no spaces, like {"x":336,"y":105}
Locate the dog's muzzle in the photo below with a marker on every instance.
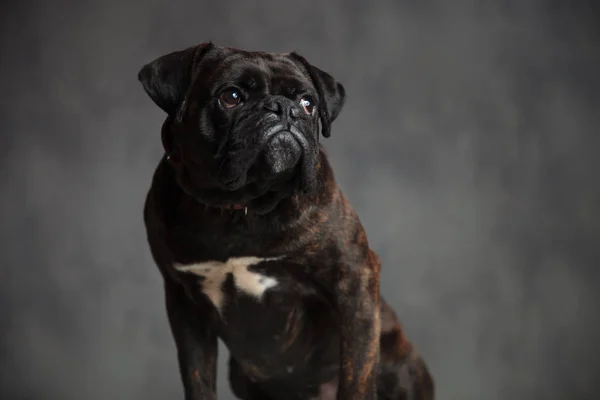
{"x":276,"y":150}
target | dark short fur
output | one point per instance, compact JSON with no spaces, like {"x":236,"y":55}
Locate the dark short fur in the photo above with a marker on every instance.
{"x":253,"y":181}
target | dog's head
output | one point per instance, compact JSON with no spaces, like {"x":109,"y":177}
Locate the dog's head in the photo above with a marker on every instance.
{"x":242,"y":127}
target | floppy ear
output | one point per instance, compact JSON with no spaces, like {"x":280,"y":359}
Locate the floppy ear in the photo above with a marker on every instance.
{"x":168,"y":78}
{"x":332,"y":94}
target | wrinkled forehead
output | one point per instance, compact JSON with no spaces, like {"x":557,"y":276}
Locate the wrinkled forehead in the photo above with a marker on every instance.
{"x":271,"y":71}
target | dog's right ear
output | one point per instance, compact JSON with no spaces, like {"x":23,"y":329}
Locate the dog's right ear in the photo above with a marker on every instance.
{"x":168,"y":78}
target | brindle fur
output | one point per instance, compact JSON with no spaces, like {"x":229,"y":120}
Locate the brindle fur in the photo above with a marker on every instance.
{"x":323,"y":332}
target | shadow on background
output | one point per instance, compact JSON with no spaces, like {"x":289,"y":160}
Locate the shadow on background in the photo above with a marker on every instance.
{"x":468,"y":146}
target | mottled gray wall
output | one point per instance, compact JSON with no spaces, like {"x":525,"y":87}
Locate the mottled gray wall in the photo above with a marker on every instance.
{"x":467,"y":145}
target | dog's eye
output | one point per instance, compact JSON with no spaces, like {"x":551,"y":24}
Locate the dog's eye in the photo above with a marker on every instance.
{"x":230,"y":98}
{"x":307,"y":104}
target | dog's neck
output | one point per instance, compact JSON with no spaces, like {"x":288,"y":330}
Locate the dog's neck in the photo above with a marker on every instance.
{"x":234,"y":207}
{"x":231,"y":207}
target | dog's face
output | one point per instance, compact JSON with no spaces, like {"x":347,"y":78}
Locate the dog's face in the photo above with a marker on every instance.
{"x":243,"y":127}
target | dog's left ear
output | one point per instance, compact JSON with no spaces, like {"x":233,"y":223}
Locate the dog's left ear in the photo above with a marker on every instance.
{"x":332,"y":94}
{"x":167,"y":79}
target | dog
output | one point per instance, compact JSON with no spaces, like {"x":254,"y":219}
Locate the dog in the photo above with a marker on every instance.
{"x":255,"y":241}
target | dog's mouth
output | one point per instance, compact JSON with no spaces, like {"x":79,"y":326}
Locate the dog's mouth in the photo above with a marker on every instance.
{"x":272,"y":162}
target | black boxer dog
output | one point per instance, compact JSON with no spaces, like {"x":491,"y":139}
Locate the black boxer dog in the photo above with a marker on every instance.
{"x":255,"y":241}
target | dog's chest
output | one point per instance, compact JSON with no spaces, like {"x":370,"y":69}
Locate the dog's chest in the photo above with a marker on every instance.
{"x":212,"y":275}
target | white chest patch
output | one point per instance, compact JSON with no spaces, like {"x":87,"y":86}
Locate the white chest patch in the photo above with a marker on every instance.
{"x":215,"y":272}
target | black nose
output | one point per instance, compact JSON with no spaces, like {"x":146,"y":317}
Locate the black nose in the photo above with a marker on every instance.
{"x":283,"y":107}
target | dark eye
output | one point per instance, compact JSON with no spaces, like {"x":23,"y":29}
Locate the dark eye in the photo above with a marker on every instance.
{"x":230,"y":98}
{"x":307,"y":104}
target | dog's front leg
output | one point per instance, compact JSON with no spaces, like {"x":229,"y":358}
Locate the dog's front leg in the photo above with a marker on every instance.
{"x":357,"y":298}
{"x":196,"y":343}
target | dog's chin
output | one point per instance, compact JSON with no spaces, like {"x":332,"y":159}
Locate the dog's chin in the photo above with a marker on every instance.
{"x":269,"y":162}
{"x":282,"y":154}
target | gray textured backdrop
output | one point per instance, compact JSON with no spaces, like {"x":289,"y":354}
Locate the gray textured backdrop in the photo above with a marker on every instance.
{"x":467,"y":145}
